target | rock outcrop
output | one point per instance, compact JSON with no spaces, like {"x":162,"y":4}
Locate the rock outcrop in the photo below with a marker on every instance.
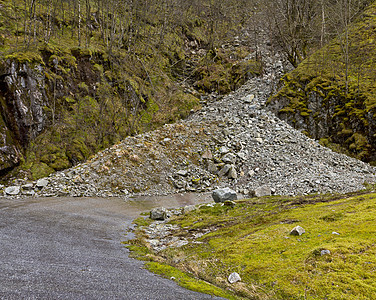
{"x":22,"y":98}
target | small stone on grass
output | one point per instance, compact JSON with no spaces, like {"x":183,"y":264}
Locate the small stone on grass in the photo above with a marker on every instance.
{"x":234,"y":277}
{"x":325,"y":252}
{"x":298,"y":230}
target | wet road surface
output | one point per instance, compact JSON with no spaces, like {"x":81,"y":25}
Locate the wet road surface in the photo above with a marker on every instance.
{"x":70,"y":248}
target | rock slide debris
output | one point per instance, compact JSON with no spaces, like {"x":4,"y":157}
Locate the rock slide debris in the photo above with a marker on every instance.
{"x":222,"y":195}
{"x":233,"y":141}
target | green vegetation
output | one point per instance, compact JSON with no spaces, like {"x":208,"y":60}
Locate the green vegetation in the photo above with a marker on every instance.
{"x":253,"y":239}
{"x":335,"y":89}
{"x":188,"y":281}
{"x":224,"y":71}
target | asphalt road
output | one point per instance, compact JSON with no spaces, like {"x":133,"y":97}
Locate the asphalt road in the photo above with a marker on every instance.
{"x":70,"y":248}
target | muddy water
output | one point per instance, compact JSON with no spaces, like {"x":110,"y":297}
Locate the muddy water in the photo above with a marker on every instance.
{"x":70,"y":248}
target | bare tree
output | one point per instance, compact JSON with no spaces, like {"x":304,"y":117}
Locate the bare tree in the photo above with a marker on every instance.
{"x":293,"y":26}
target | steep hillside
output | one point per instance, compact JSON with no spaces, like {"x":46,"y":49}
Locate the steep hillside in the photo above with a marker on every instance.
{"x":331,"y":95}
{"x":77,"y":77}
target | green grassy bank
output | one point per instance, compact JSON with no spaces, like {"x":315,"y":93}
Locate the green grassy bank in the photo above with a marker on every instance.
{"x":253,"y":239}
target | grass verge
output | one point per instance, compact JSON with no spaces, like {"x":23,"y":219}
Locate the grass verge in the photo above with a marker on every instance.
{"x":253,"y":239}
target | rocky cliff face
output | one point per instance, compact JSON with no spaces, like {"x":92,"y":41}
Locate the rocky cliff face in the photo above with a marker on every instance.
{"x":22,"y":98}
{"x":49,"y":109}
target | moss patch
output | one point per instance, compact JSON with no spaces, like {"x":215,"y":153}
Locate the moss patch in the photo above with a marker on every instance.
{"x":25,"y":57}
{"x":221,"y":71}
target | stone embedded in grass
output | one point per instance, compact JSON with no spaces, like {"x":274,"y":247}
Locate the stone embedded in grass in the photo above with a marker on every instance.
{"x":325,"y":252}
{"x":159,"y":213}
{"x":234,"y":277}
{"x":179,"y":243}
{"x":229,"y":203}
{"x":298,"y":230}
{"x":154,"y":242}
{"x":221,"y":195}
{"x":335,"y":233}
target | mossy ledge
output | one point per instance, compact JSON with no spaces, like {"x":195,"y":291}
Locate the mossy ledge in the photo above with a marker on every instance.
{"x":318,"y":98}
